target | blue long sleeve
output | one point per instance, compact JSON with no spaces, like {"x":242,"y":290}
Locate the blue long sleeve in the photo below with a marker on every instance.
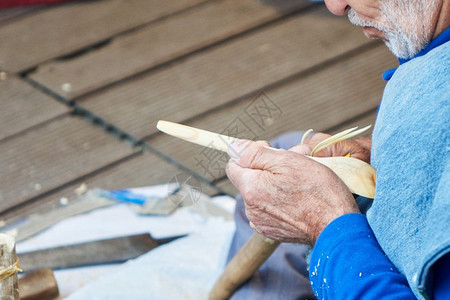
{"x":441,"y":286}
{"x":348,"y":263}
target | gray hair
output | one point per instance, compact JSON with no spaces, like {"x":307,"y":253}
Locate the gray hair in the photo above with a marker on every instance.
{"x":407,"y":24}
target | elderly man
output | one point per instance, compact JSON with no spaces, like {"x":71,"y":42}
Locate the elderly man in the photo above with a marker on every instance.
{"x":401,"y":248}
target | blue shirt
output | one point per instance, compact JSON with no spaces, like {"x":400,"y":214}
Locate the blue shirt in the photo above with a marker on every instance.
{"x":404,"y":242}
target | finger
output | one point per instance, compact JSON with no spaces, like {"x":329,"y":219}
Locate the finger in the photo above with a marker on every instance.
{"x":346,"y":148}
{"x":316,"y":138}
{"x":252,"y":226}
{"x":263,"y":143}
{"x":236,"y":148}
{"x":253,"y":155}
{"x":354,"y":149}
{"x":301,"y":149}
{"x":362,"y":156}
{"x":241,"y":177}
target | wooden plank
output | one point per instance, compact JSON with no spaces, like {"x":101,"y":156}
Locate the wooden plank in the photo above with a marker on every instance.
{"x":320,"y":100}
{"x":142,"y":169}
{"x":220,"y":75}
{"x":24,"y":107}
{"x":157,"y":43}
{"x":63,"y":29}
{"x":54,"y":154}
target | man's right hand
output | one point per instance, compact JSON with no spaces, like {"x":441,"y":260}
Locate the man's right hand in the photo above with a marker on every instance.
{"x":357,"y":148}
{"x":288,"y":197}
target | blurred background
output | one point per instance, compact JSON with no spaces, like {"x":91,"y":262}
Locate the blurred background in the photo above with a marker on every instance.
{"x":83,"y":83}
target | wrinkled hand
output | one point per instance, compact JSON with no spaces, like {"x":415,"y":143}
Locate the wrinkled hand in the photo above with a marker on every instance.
{"x":358,"y":148}
{"x":288,"y":196}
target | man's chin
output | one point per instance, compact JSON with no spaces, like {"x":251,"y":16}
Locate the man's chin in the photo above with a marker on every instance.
{"x":373,"y":33}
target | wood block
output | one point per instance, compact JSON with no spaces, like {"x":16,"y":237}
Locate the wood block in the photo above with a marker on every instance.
{"x":54,"y":154}
{"x":38,"y":285}
{"x":23,"y":106}
{"x":63,"y":29}
{"x":227,"y":73}
{"x":158,"y":43}
{"x":9,"y":288}
{"x":320,"y":100}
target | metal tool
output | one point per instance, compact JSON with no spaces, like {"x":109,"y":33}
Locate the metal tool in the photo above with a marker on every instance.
{"x":106,"y":251}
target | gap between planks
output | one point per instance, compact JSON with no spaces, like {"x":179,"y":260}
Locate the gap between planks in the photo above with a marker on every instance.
{"x":238,"y":68}
{"x":159,"y":44}
{"x":137,"y":170}
{"x":49,"y":156}
{"x":94,"y":21}
{"x":323,"y":99}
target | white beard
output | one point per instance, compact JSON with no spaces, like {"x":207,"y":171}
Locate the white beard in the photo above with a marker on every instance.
{"x":405,"y":23}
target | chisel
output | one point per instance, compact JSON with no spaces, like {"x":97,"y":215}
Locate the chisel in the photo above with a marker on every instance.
{"x":114,"y":250}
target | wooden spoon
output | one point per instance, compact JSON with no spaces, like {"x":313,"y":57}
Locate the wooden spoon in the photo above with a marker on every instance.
{"x":358,"y":175}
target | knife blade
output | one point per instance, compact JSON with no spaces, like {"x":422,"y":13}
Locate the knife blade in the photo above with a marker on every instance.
{"x":114,"y":250}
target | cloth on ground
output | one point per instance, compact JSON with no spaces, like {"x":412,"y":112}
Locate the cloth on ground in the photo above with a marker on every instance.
{"x":191,"y":263}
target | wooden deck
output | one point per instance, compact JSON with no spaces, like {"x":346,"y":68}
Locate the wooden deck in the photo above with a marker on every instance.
{"x":83,"y":84}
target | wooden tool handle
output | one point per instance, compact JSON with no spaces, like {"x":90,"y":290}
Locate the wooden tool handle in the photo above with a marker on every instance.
{"x":243,"y":265}
{"x":197,"y":136}
{"x":38,"y":285}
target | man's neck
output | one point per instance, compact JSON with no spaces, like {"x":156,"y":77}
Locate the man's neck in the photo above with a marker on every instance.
{"x":443,"y":18}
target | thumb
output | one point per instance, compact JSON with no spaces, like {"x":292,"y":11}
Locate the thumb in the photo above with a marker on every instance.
{"x":301,"y":149}
{"x":252,"y":155}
